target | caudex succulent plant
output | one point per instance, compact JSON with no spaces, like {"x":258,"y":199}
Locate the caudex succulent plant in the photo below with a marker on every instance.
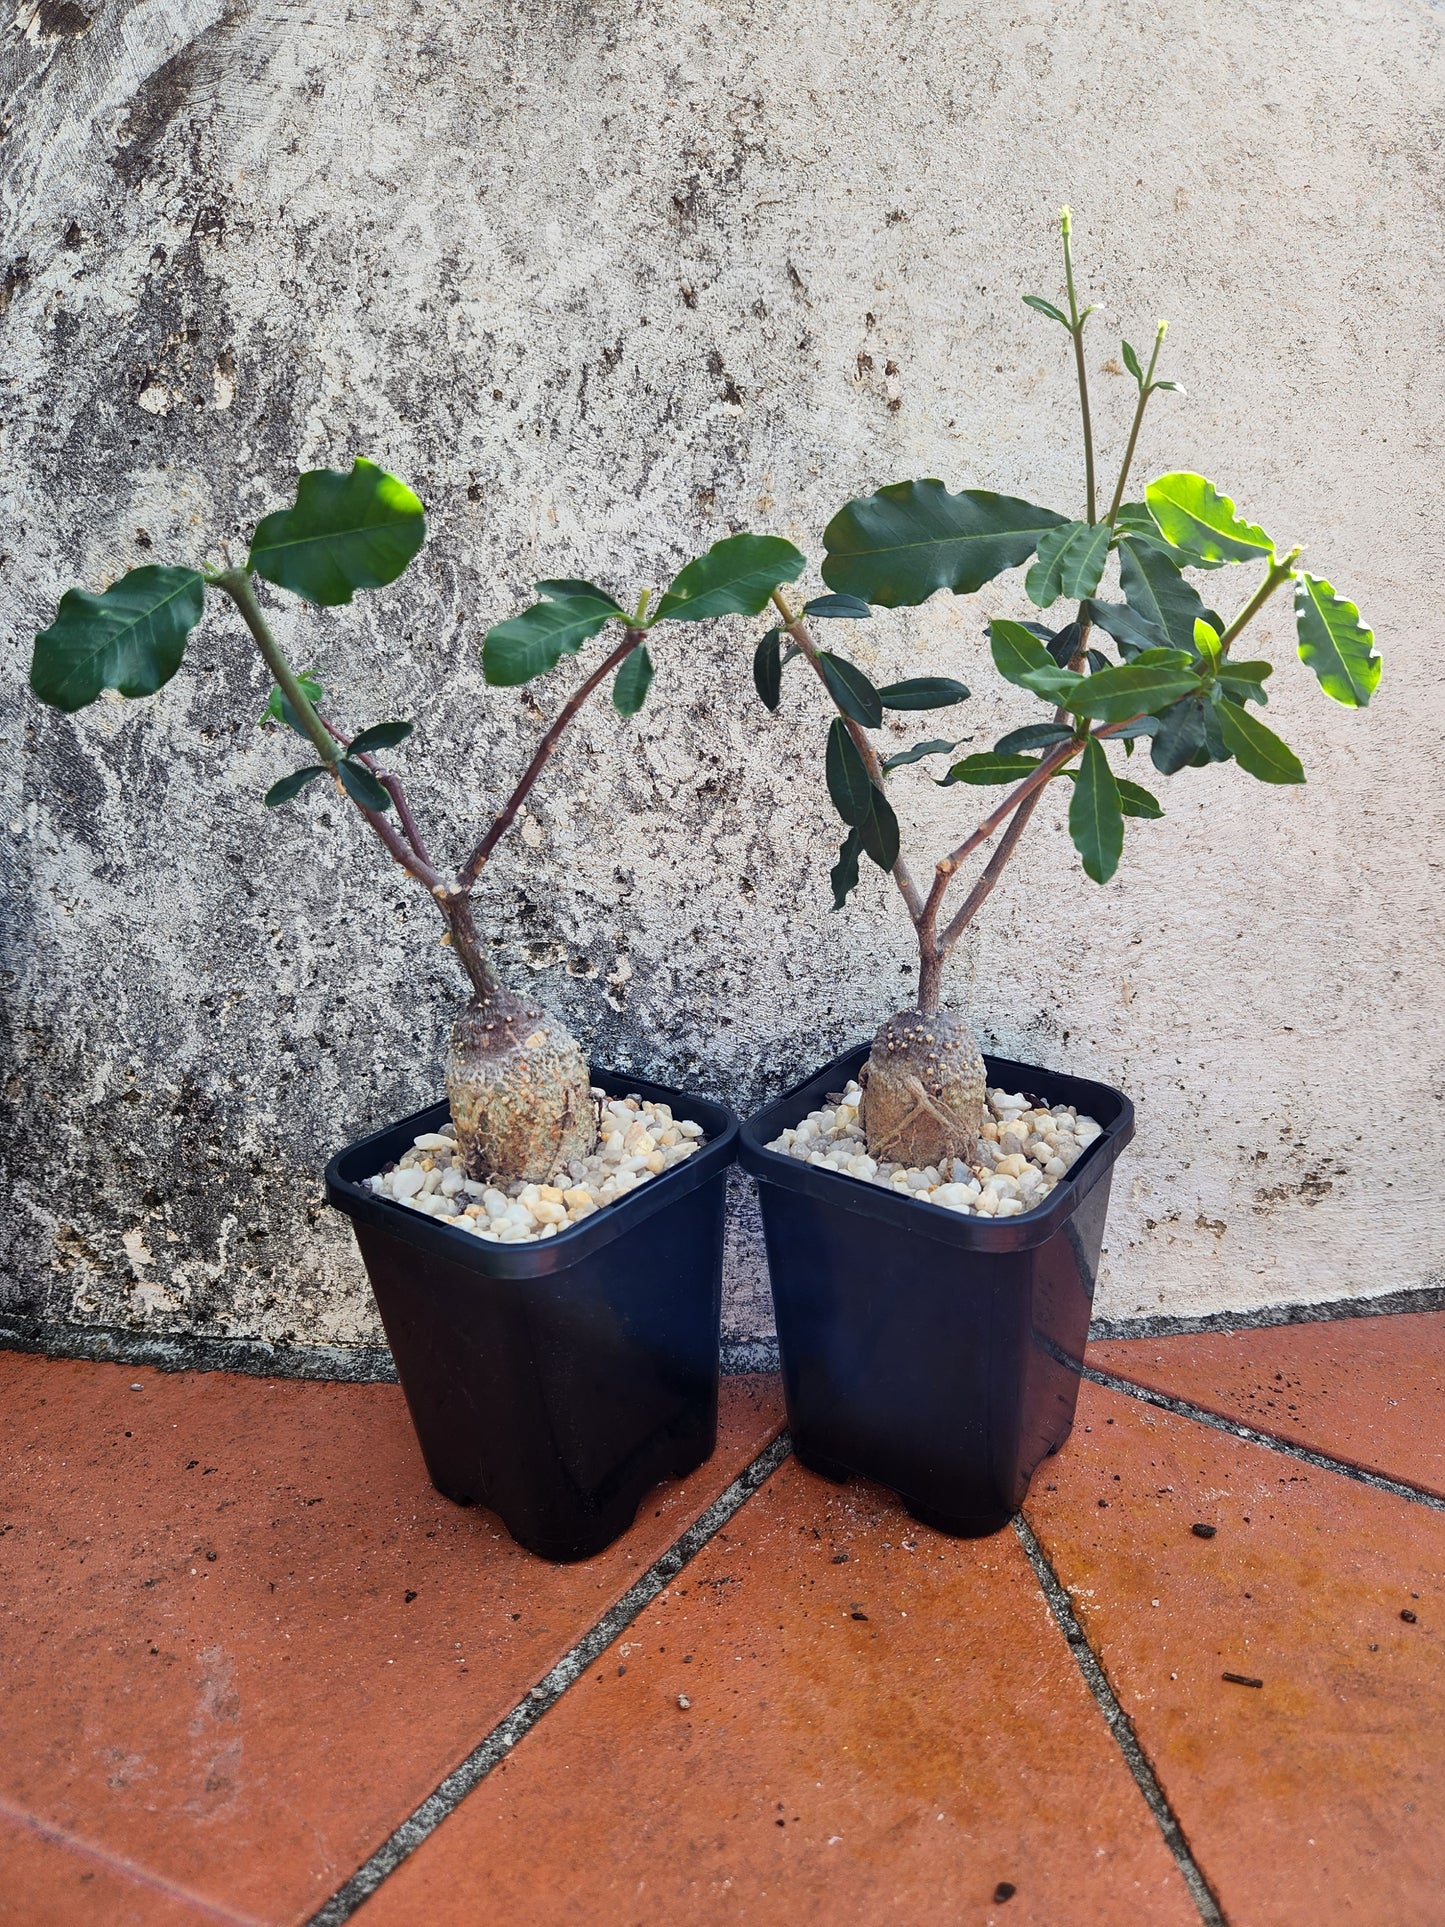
{"x":518,"y":1083}
{"x":1175,"y":682}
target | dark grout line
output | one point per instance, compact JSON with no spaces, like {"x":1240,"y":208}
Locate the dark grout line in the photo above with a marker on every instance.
{"x":1219,"y":1423}
{"x":1120,"y":1726}
{"x":464,"y":1779}
{"x":1389,"y":1304}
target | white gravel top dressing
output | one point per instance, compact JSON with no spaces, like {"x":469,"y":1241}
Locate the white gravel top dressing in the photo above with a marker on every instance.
{"x":636,"y":1140}
{"x":1022,"y":1153}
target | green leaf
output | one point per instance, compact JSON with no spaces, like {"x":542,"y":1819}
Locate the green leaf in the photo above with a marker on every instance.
{"x":852,"y":607}
{"x":1206,"y":641}
{"x":896,"y":547}
{"x":1243,"y":682}
{"x":1193,"y":515}
{"x":768,"y":669}
{"x":1040,"y":306}
{"x":292,"y":785}
{"x":1133,"y":689}
{"x":131,"y":637}
{"x":1256,"y":748}
{"x":1335,"y":643}
{"x":844,"y":873}
{"x":923,"y":692}
{"x":1020,"y":658}
{"x":879,"y":831}
{"x":1096,"y":818}
{"x":1180,"y":737}
{"x":1135,"y":800}
{"x":1136,"y":524}
{"x":1035,"y":736}
{"x":1131,"y":362}
{"x":379,"y":736}
{"x":939,"y":746}
{"x":851,"y":690}
{"x":990,"y":767}
{"x":530,"y":644}
{"x":362,"y":787}
{"x":1158,"y":594}
{"x":1071,"y":560}
{"x":735,"y":578}
{"x":632,"y":682}
{"x":279,"y":710}
{"x":568,"y":588}
{"x":345,"y":532}
{"x":847,"y":774}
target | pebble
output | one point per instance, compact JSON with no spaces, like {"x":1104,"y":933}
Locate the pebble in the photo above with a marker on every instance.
{"x":1023,"y":1151}
{"x":637,"y":1141}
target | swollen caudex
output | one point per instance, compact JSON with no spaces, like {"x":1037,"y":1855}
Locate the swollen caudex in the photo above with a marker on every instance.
{"x":520,"y":1090}
{"x":1021,"y":1152}
{"x":631,"y":1141}
{"x":925,"y":1090}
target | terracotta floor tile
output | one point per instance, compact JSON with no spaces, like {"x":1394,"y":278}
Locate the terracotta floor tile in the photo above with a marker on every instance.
{"x":47,"y":1881}
{"x":881,"y":1725}
{"x":1370,"y":1391}
{"x":1316,"y":1797}
{"x":240,"y":1635}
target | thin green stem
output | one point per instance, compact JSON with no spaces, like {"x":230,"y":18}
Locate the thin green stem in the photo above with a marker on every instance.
{"x":1076,"y":329}
{"x":1279,"y":571}
{"x":236,"y":583}
{"x":1146,"y":389}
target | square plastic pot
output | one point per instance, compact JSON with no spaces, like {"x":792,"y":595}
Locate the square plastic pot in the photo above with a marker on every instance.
{"x":935,"y":1353}
{"x":555,"y":1382}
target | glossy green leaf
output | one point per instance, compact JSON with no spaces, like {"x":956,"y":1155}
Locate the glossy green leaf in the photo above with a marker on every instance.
{"x":345,"y":532}
{"x":1040,"y":306}
{"x":1135,"y":800}
{"x":1335,"y":643}
{"x":1243,"y":682}
{"x":923,"y":692}
{"x":851,"y":690}
{"x":291,"y":786}
{"x":379,"y":736}
{"x":362,"y":787}
{"x":1132,"y":689}
{"x":1035,"y":736}
{"x":1134,"y":523}
{"x":848,"y":781}
{"x":1159,"y":596}
{"x":832,"y":607}
{"x":1131,"y":362}
{"x":897,"y":547}
{"x":1071,"y":559}
{"x":1021,"y":659}
{"x":632,"y":682}
{"x":530,"y":644}
{"x":131,"y":637}
{"x":1062,"y":644}
{"x":1255,"y":748}
{"x":279,"y":710}
{"x":768,"y":669}
{"x":1194,"y":516}
{"x":990,"y":767}
{"x":844,"y":874}
{"x":1179,"y":738}
{"x":1206,"y":641}
{"x":736,"y":577}
{"x":879,"y":831}
{"x":938,"y":746}
{"x":1096,"y":817}
{"x":568,"y":588}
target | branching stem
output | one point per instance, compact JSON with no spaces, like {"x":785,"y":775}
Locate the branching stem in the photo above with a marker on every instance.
{"x":1146,"y":389}
{"x":236,"y":583}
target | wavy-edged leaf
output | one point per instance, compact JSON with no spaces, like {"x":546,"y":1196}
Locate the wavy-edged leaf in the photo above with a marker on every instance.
{"x":1040,"y":306}
{"x":345,"y":532}
{"x":1096,"y":816}
{"x":1134,"y":523}
{"x":924,"y":692}
{"x":1158,"y":594}
{"x":768,"y":669}
{"x":879,"y":830}
{"x":989,"y":767}
{"x":1243,"y":682}
{"x":566,"y":588}
{"x":1034,"y":736}
{"x":278,"y":709}
{"x":1255,"y":748}
{"x":844,"y":874}
{"x":291,"y":786}
{"x":632,"y":682}
{"x":1023,"y":660}
{"x":851,"y":690}
{"x":895,"y":548}
{"x":362,"y":787}
{"x":1194,"y":516}
{"x":379,"y":736}
{"x":735,"y":577}
{"x":848,"y":781}
{"x":1132,"y":689}
{"x":851,"y":608}
{"x":939,"y":746}
{"x":1135,"y":800}
{"x":528,"y":645}
{"x":131,"y":637}
{"x":1335,"y":643}
{"x":1070,"y":562}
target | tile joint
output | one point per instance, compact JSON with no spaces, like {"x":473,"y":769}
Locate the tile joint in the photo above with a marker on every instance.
{"x":1120,"y":1726}
{"x":463,"y":1779}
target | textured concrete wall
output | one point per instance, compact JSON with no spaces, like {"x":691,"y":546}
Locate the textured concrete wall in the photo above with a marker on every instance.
{"x":604,"y":283}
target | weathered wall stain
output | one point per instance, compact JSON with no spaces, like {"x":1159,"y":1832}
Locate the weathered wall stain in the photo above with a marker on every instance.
{"x":605,"y":284}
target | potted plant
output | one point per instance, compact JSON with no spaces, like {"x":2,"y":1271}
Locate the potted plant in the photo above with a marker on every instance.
{"x":545,"y":1247}
{"x":934,"y":1218}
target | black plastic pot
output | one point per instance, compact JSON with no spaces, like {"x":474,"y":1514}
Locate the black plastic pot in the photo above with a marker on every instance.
{"x":936,"y":1353}
{"x":555,"y":1382}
